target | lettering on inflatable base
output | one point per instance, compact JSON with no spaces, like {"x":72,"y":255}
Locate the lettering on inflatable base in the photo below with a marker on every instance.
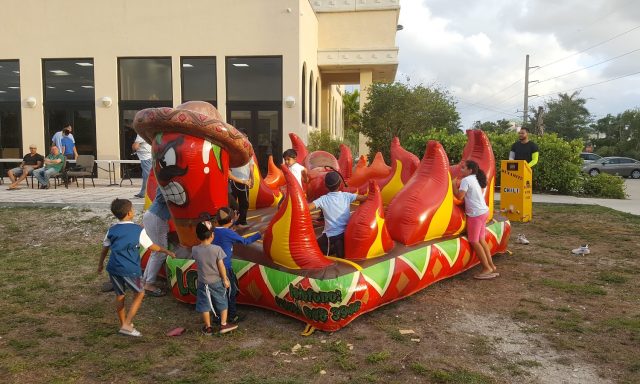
{"x":187,"y":282}
{"x":303,"y":297}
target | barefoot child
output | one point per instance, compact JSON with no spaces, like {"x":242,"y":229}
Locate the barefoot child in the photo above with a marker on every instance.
{"x":212,"y":279}
{"x":124,"y":239}
{"x":473,"y":182}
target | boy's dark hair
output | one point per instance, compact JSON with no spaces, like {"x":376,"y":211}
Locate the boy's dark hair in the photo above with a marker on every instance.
{"x":224,"y":216}
{"x":203,"y":231}
{"x":66,"y":124}
{"x":525,"y":129}
{"x":290,"y":153}
{"x":120,"y":208}
{"x":475,"y":170}
{"x":332,"y":181}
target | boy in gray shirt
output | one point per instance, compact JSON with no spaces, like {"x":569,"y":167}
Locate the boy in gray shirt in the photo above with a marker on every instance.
{"x":212,"y":279}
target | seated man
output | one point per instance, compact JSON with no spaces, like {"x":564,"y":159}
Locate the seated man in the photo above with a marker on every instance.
{"x":30,"y":161}
{"x":52,"y":165}
{"x":336,"y":209}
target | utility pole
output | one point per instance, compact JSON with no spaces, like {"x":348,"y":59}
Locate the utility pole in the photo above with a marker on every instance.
{"x":526,"y":92}
{"x":525,"y":112}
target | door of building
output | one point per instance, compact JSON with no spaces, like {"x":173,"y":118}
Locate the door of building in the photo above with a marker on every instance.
{"x":263,"y":125}
{"x":81,"y":116}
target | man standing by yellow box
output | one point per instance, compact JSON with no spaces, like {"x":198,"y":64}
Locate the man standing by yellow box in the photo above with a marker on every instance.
{"x":523,"y":149}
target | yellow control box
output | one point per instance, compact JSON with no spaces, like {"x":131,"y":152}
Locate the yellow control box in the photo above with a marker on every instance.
{"x":515,"y":190}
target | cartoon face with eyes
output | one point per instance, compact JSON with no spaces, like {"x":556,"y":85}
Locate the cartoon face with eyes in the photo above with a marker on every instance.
{"x":192,"y":175}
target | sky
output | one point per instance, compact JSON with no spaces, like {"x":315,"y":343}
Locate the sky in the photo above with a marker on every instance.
{"x":476,"y":50}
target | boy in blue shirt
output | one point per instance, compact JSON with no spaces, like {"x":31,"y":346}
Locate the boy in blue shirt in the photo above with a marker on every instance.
{"x":225,"y":237}
{"x":335,"y":206}
{"x":124,"y":240}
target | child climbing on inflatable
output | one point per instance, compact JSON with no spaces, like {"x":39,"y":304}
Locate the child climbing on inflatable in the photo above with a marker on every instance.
{"x":213,"y":281}
{"x":124,"y":239}
{"x":225,"y":237}
{"x":470,"y":190}
{"x":336,"y":209}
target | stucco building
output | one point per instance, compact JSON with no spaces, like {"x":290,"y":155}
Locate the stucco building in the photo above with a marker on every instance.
{"x":271,"y":67}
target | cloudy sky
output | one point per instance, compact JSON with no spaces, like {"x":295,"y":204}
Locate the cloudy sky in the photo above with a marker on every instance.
{"x":476,"y":50}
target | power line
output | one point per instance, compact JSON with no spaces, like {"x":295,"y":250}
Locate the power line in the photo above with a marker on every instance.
{"x":591,"y":47}
{"x":590,"y":85}
{"x":590,"y":66}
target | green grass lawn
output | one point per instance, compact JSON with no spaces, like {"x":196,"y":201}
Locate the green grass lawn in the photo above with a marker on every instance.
{"x":562,"y":310}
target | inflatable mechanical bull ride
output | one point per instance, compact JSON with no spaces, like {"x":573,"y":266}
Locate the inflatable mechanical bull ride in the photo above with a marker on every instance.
{"x":408,"y":234}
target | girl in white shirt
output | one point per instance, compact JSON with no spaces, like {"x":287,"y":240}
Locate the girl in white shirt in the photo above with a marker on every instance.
{"x":471,"y":186}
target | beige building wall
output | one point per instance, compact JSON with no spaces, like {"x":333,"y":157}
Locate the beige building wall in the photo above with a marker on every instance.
{"x":301,"y":31}
{"x":105,"y":31}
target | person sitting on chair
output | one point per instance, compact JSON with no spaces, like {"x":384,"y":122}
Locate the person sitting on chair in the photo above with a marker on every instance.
{"x":52,"y":165}
{"x":30,"y":162}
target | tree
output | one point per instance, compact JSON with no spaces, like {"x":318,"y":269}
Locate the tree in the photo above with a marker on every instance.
{"x":500,"y":126}
{"x":397,"y":109}
{"x":568,"y":116}
{"x":351,"y":117}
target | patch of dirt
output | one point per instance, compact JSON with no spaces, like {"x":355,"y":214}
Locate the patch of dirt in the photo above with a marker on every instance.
{"x":516,"y":346}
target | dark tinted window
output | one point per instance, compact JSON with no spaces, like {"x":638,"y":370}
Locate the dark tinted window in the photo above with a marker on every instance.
{"x":145,"y":79}
{"x":254,"y":78}
{"x":68,"y":80}
{"x":9,"y":80}
{"x":199,"y":79}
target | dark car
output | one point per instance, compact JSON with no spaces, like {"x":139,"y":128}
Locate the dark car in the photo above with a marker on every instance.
{"x":621,"y":166}
{"x":588,"y":157}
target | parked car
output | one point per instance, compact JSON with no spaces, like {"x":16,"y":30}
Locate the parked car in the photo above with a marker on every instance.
{"x":621,"y":166}
{"x":588,"y":157}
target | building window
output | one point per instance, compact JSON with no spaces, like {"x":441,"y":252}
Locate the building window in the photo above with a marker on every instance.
{"x":311,"y":98}
{"x":145,"y":79}
{"x":10,"y":117}
{"x":199,"y":80}
{"x":304,"y":93}
{"x":254,"y":78}
{"x":143,"y":82}
{"x":69,"y":98}
{"x":254,"y":103}
{"x":317,"y":103}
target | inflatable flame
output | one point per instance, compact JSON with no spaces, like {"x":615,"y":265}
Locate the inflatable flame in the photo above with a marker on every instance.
{"x":428,"y":196}
{"x":345,"y":161}
{"x":298,"y":145}
{"x":367,"y":236}
{"x":289,"y":239}
{"x":403,"y":165}
{"x":260,"y":195}
{"x":275,"y":177}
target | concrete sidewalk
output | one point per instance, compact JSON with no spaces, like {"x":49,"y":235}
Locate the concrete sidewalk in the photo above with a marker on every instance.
{"x":101,"y":196}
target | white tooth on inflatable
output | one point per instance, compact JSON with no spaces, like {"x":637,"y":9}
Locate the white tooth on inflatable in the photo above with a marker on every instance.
{"x":206,"y":151}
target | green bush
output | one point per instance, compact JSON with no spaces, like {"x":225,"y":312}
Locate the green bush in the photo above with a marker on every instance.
{"x":321,"y":140}
{"x":602,"y":185}
{"x":558,"y":168}
{"x":452,"y":144}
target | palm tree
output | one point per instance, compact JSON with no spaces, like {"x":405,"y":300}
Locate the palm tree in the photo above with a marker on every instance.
{"x":351,"y":117}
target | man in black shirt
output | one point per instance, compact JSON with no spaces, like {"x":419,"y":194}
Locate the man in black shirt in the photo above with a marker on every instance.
{"x":30,"y":161}
{"x":523,"y":149}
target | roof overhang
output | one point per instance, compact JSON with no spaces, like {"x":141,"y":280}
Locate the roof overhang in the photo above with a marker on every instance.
{"x":344,"y":66}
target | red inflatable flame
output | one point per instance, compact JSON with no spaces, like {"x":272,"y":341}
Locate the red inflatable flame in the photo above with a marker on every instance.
{"x":290,"y":239}
{"x":403,"y":165}
{"x":360,"y":178}
{"x":275,"y":177}
{"x":345,"y":161}
{"x":423,"y":209}
{"x":367,"y":235}
{"x":299,"y":146}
